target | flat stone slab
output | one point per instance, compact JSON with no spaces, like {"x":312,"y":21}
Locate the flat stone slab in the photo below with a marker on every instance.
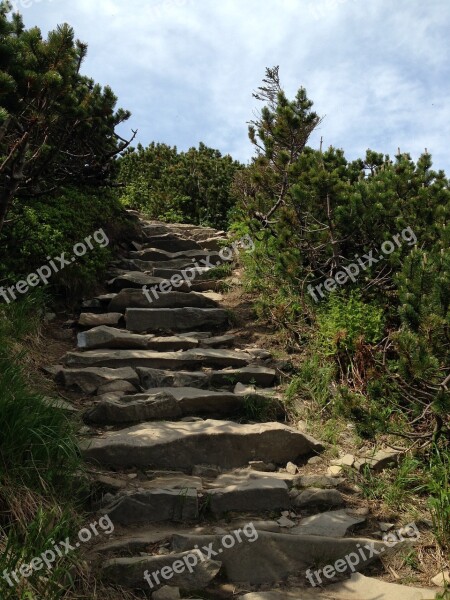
{"x":255,"y":495}
{"x":360,"y":587}
{"x":172,"y":242}
{"x":334,"y":523}
{"x":155,"y":298}
{"x":261,"y":376}
{"x":181,"y":446}
{"x":317,"y":481}
{"x":89,"y":380}
{"x":134,"y":280}
{"x":241,"y":477}
{"x":133,"y":409}
{"x":272,"y":557}
{"x":151,"y":506}
{"x":94,"y":320}
{"x":156,"y":360}
{"x":163,"y":403}
{"x":110,"y":337}
{"x":129,"y":572}
{"x":153,"y":254}
{"x":313,"y":497}
{"x":174,"y":319}
{"x":222,"y":341}
{"x":174,"y":482}
{"x":155,"y":378}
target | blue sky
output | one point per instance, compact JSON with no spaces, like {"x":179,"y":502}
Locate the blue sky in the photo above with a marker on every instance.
{"x":377,"y":70}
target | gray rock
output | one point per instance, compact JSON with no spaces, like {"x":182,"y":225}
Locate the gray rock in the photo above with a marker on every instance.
{"x":265,"y":557}
{"x":151,"y":506}
{"x":110,"y":337}
{"x":172,"y":242}
{"x":223,"y":341}
{"x":317,"y":481}
{"x":174,"y":319}
{"x":167,"y":593}
{"x":316,"y":497}
{"x":155,"y":378}
{"x":132,"y":298}
{"x":153,"y":254}
{"x":379,"y":461}
{"x":129,"y":572}
{"x":360,"y":587}
{"x":124,"y":387}
{"x":156,"y":360}
{"x":334,"y":523}
{"x":255,"y":495}
{"x":207,"y":471}
{"x":134,"y":280}
{"x":133,"y":409}
{"x":94,"y":320}
{"x":183,"y":445}
{"x":261,"y":376}
{"x":88,"y":380}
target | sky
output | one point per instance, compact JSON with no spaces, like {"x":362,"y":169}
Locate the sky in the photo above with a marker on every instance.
{"x":378,"y":71}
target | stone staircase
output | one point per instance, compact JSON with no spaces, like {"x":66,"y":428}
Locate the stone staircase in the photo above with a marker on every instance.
{"x":177,"y":463}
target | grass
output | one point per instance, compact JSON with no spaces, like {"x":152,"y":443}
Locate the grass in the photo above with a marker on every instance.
{"x":39,"y":465}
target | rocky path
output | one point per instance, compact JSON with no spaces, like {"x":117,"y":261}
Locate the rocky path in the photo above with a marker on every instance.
{"x":205,"y":502}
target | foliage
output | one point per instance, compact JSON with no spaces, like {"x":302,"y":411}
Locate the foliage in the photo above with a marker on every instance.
{"x":49,"y":226}
{"x":190,"y":187}
{"x":56,"y":126}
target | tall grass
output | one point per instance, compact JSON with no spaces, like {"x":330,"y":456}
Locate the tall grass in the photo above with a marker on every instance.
{"x":39,"y":463}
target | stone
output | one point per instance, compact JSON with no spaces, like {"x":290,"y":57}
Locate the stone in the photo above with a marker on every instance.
{"x":94,"y":320}
{"x":384,"y":527}
{"x":286,"y":523}
{"x":154,"y":505}
{"x":360,"y":587}
{"x":174,"y":482}
{"x":171,"y":242}
{"x":129,"y":572}
{"x":334,"y":523}
{"x":124,"y":387}
{"x":173,"y":445}
{"x":379,"y":460}
{"x":171,"y":343}
{"x":315,"y":460}
{"x":260,"y":376}
{"x":156,"y":360}
{"x":223,"y":341}
{"x":132,"y":298}
{"x":259,"y":465}
{"x":334,"y":470}
{"x":316,"y":497}
{"x":163,"y":403}
{"x":253,"y":496}
{"x":121,"y":410}
{"x":317,"y":481}
{"x":345,"y":461}
{"x":110,"y":337}
{"x":241,"y":477}
{"x":155,"y":378}
{"x":207,"y":471}
{"x":134,"y":280}
{"x":441,"y":579}
{"x":167,"y":593}
{"x":174,"y":319}
{"x":291,"y":468}
{"x":155,"y":255}
{"x":266,"y":557}
{"x":89,"y":380}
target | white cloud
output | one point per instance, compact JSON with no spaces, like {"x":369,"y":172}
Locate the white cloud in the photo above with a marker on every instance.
{"x":187,"y":68}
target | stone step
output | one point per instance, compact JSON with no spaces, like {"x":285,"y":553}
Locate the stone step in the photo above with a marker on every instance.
{"x":141,"y":320}
{"x":172,"y":242}
{"x":153,"y":297}
{"x":189,"y":359}
{"x":138,"y":279}
{"x":224,"y":379}
{"x":182,"y":446}
{"x":103,"y":337}
{"x":153,"y":254}
{"x":163,"y":403}
{"x":253,"y":496}
{"x":152,"y":506}
{"x":266,"y":557}
{"x":89,"y":380}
